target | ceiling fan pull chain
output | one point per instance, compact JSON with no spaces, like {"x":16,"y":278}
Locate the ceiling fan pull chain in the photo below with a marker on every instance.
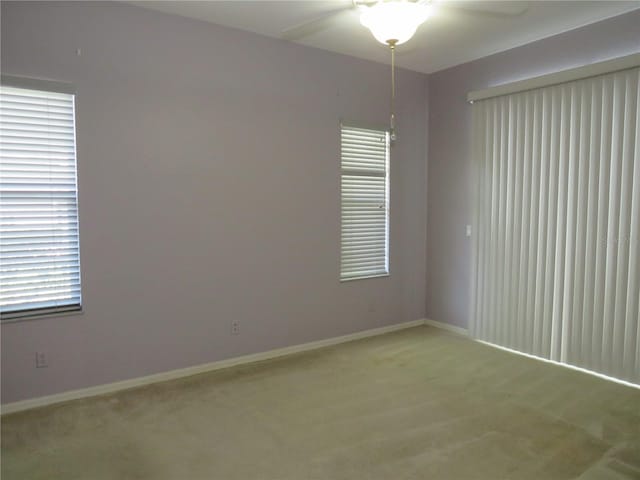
{"x":392,"y":129}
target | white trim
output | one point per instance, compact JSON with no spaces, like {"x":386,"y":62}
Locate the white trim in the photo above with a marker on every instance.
{"x":566,"y":365}
{"x":447,"y":326}
{"x":364,"y":125}
{"x":377,"y":275}
{"x":197,"y":369}
{"x":6,"y":318}
{"x":600,"y":68}
{"x":37,"y":84}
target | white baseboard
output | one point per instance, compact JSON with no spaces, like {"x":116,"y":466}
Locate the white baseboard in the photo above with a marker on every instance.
{"x":447,"y":326}
{"x":207,"y":367}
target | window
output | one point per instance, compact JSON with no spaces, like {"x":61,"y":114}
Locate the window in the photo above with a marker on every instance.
{"x":364,"y":203}
{"x":39,"y":248}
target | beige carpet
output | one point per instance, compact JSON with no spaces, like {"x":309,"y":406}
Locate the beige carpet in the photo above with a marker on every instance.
{"x":416,"y":404}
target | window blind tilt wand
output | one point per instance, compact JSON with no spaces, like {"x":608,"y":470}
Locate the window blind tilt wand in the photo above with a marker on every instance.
{"x":39,"y":246}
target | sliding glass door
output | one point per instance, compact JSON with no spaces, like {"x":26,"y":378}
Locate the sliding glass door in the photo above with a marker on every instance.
{"x":557,"y":252}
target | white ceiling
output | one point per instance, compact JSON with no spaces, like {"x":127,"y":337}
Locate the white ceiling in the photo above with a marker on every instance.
{"x":452,"y":35}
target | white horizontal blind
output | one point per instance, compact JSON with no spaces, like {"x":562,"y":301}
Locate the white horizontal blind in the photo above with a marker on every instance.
{"x":365,"y":202}
{"x":39,"y":249}
{"x":557,"y":253}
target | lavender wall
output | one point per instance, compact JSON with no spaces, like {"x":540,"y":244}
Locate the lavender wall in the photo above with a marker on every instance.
{"x":450,"y":176}
{"x":208,"y":163}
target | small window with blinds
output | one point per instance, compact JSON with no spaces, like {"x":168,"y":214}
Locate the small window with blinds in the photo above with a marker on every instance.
{"x":364,"y":248}
{"x":39,"y":248}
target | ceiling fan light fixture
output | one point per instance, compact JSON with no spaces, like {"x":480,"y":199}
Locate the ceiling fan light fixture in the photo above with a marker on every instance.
{"x":394,"y":22}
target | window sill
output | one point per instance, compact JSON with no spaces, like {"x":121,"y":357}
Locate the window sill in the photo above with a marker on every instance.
{"x":15,"y":317}
{"x":351,"y":279}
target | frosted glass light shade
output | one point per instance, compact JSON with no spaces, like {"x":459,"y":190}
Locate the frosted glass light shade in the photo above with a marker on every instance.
{"x":394,"y":22}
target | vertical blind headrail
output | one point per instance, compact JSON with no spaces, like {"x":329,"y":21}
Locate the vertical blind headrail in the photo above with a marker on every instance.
{"x":593,"y":70}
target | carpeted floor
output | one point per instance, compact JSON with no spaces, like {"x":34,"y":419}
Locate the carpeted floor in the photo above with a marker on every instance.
{"x":416,"y":404}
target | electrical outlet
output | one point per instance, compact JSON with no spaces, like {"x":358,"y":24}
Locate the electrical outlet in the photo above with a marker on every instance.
{"x":41,"y":360}
{"x":235,"y":327}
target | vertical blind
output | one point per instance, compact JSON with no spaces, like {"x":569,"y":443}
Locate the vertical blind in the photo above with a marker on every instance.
{"x":557,"y":251}
{"x":364,"y":202}
{"x":39,"y":250}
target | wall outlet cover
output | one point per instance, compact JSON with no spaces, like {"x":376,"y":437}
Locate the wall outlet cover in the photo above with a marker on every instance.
{"x":41,"y":360}
{"x":235,"y":328}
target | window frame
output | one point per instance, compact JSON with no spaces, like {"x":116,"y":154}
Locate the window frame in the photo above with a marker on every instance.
{"x":387,"y":176}
{"x":29,"y":83}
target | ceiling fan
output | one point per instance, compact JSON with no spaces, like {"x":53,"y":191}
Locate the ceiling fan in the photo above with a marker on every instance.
{"x":393,"y":22}
{"x":499,"y":9}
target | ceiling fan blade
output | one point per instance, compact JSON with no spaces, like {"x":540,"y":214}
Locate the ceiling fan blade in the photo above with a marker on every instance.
{"x":491,"y":8}
{"x":315,"y":25}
